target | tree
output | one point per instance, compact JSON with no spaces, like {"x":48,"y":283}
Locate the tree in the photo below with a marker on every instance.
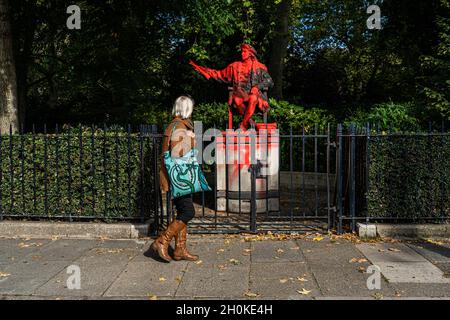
{"x":280,"y":41}
{"x":8,"y":84}
{"x":434,"y":84}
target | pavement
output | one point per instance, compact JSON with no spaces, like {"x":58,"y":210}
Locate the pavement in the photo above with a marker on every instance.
{"x":250,"y":267}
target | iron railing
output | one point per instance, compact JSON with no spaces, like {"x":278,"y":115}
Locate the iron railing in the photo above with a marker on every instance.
{"x":329,"y":178}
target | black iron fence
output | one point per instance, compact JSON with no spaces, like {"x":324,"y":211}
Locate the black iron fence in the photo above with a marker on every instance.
{"x":328,"y":178}
{"x":395,"y":177}
{"x":80,"y":173}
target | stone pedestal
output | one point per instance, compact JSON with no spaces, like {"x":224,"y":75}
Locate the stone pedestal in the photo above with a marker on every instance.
{"x":234,"y":157}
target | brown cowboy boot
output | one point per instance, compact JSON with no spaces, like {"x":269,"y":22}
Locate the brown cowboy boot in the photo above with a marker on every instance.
{"x":161,"y":245}
{"x":181,"y":252}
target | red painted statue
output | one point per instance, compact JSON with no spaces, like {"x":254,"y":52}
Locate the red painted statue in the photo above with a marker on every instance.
{"x":249,"y":81}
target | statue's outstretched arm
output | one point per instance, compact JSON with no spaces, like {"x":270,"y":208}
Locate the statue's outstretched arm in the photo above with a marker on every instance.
{"x":224,"y":75}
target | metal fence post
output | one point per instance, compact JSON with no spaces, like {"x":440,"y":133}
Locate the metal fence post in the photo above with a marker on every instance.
{"x":352,"y":176}
{"x":253,"y":182}
{"x":1,"y":176}
{"x":340,"y":155}
{"x":328,"y":178}
{"x":157,"y":214}
{"x":367,"y":171}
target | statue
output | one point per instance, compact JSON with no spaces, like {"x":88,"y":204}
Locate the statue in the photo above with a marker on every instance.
{"x":249,"y":81}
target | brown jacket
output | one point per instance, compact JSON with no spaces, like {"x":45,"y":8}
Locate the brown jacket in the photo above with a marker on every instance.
{"x":180,"y":144}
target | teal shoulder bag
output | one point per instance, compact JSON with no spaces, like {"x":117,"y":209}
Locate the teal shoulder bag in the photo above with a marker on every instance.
{"x":185,"y":173}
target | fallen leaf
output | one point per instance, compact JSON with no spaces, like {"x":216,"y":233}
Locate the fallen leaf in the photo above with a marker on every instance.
{"x":152,"y":297}
{"x":222,"y":267}
{"x":378,"y":295}
{"x":198,"y":262}
{"x":251,"y":294}
{"x":280,"y":250}
{"x":4,"y":275}
{"x":162,"y":279}
{"x":178,"y":279}
{"x":394,"y":250}
{"x":234,"y":261}
{"x":220,"y":250}
{"x":27,"y":245}
{"x":295,"y":248}
{"x":248,"y":250}
{"x":301,"y":279}
{"x":361,"y":269}
{"x":304,"y":291}
{"x":318,"y":238}
{"x":109,"y":250}
{"x":283,"y":280}
{"x":440,"y":243}
{"x":353,"y":260}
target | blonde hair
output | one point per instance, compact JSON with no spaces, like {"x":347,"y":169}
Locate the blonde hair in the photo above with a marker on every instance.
{"x":183,"y":107}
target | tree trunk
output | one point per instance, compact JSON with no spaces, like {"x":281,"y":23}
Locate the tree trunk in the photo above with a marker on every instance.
{"x":23,"y":30}
{"x":8,"y":84}
{"x":279,"y":45}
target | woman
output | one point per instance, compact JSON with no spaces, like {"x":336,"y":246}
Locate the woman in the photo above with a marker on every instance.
{"x":179,"y":139}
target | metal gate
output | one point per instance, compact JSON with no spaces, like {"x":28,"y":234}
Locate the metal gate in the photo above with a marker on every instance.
{"x":305,"y":193}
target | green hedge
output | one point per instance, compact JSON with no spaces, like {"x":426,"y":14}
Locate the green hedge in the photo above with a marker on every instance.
{"x":97,"y":181}
{"x":387,"y":116}
{"x":281,"y":112}
{"x":409,"y":176}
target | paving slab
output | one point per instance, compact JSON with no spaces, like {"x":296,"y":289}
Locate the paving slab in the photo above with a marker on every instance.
{"x":214,"y":281}
{"x":401,"y":264}
{"x":283,"y":280}
{"x":130,"y":244}
{"x":25,"y":277}
{"x":340,"y":269}
{"x":389,"y":252}
{"x":433,"y":252}
{"x":421,"y":290}
{"x":13,"y":250}
{"x":444,"y":267}
{"x":147,"y":279}
{"x":276,"y":251}
{"x":62,"y":250}
{"x":412,"y":272}
{"x":99,"y":269}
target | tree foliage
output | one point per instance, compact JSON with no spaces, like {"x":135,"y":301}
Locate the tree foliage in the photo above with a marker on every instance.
{"x":129,"y":60}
